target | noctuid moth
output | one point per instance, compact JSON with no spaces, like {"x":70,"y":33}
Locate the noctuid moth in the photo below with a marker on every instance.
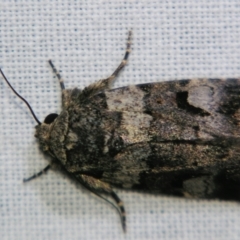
{"x":178,"y":137}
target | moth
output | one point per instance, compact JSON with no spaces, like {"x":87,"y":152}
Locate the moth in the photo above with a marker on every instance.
{"x":177,"y":138}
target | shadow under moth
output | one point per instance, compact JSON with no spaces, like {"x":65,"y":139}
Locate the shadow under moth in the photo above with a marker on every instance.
{"x":177,"y":138}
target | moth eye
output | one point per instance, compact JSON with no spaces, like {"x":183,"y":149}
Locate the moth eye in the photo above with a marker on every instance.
{"x":50,"y":118}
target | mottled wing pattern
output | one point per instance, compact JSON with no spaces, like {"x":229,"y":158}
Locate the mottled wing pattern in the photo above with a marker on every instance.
{"x":179,"y":137}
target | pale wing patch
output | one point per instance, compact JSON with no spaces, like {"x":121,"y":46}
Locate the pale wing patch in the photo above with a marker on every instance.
{"x":71,"y":141}
{"x":135,"y":126}
{"x":134,"y":123}
{"x":201,"y":97}
{"x":125,"y":99}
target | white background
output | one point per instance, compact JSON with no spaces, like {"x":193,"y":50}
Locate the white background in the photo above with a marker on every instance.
{"x":86,"y":41}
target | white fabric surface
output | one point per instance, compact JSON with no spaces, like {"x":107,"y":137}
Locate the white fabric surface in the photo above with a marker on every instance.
{"x":86,"y":41}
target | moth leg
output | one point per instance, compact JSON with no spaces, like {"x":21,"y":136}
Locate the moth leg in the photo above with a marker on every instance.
{"x":106,"y":83}
{"x":97,"y":187}
{"x":61,"y":81}
{"x":44,"y":170}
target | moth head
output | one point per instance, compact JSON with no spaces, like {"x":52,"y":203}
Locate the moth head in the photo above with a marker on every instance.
{"x":53,"y":130}
{"x":43,"y":131}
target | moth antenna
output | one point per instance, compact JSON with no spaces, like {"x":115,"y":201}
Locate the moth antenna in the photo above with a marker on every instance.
{"x":24,"y":100}
{"x":61,"y":81}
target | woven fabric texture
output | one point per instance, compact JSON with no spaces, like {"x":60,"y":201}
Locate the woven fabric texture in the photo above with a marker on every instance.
{"x":86,"y":41}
